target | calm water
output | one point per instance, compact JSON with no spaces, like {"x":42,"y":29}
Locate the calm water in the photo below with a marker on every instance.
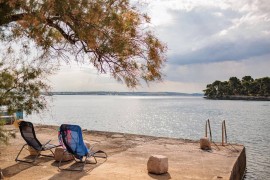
{"x":248,"y":122}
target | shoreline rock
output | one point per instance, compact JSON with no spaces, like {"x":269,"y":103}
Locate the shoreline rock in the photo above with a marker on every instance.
{"x":246,"y":98}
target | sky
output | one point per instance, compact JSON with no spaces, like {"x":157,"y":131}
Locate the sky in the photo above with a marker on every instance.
{"x":207,"y":40}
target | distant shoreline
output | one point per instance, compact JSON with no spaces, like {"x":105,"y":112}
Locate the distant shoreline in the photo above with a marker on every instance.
{"x":125,"y":93}
{"x":246,"y":98}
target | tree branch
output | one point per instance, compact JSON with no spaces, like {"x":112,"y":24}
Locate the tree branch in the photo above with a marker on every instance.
{"x":63,"y":33}
{"x":11,"y":18}
{"x":49,"y":21}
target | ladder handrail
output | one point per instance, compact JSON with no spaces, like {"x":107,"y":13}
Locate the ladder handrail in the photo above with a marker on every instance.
{"x":224,"y":132}
{"x":206,"y":127}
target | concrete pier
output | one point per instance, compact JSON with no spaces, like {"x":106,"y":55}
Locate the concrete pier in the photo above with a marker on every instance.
{"x":128,"y":156}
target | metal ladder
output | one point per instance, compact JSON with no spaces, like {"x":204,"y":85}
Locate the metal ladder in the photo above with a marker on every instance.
{"x":224,"y":133}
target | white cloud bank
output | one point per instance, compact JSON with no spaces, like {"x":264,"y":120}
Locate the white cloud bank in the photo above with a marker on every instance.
{"x":207,"y":40}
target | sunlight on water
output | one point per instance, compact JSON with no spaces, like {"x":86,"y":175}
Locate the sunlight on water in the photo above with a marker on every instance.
{"x":248,"y":122}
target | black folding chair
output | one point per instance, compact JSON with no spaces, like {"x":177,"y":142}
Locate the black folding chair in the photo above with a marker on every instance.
{"x":71,"y":139}
{"x":28,"y":134}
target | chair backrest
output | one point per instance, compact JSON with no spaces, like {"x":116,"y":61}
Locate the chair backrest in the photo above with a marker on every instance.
{"x":28,"y":134}
{"x":71,"y":135}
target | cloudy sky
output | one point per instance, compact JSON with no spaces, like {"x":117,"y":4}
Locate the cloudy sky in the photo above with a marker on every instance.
{"x":207,"y":40}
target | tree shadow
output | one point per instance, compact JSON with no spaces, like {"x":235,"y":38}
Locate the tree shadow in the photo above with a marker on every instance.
{"x":164,"y":176}
{"x":14,"y":169}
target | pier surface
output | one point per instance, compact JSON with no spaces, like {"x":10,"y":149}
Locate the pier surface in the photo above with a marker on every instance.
{"x":127,"y":158}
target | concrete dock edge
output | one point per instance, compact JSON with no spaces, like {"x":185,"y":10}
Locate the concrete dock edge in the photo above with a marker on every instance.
{"x":239,"y":167}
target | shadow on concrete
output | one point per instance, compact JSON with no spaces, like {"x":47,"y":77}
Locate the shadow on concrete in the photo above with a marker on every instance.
{"x":71,"y":175}
{"x":164,"y":176}
{"x":67,"y":174}
{"x":12,"y":170}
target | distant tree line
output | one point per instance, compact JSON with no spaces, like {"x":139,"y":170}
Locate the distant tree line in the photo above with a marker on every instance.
{"x":236,"y":87}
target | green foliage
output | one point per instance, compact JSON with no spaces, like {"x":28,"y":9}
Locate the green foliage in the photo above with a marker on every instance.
{"x":4,"y":134}
{"x":21,"y":87}
{"x":247,"y":87}
{"x":111,"y":34}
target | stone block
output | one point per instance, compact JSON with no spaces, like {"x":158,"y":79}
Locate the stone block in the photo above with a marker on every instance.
{"x":58,"y":153}
{"x":32,"y":151}
{"x":157,"y":164}
{"x":205,"y":143}
{"x":1,"y":174}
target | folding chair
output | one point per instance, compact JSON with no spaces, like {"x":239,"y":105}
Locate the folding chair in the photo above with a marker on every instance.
{"x":28,"y":134}
{"x":71,"y":139}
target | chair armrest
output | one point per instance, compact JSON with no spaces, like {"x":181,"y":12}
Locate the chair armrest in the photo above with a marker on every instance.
{"x":91,"y":147}
{"x":46,"y":143}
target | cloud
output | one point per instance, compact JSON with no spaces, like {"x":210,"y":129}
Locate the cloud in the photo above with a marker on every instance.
{"x":224,"y":51}
{"x":206,"y":73}
{"x":198,"y":32}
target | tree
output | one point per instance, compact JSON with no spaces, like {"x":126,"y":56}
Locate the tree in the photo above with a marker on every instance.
{"x":21,"y":87}
{"x":264,"y":86}
{"x":247,"y":84}
{"x":5,"y":134}
{"x":216,"y":85}
{"x":217,"y":89}
{"x":110,"y":34}
{"x":224,"y":88}
{"x":246,"y":87}
{"x":210,"y":91}
{"x":235,"y":85}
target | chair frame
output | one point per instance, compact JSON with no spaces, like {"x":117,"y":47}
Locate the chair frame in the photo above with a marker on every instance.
{"x":41,"y":148}
{"x":88,"y":155}
{"x":83,"y":161}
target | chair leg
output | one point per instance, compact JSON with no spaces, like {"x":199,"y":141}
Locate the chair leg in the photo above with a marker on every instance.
{"x":65,"y":169}
{"x":93,"y":157}
{"x":52,"y":152}
{"x":98,"y":152}
{"x":48,"y":155}
{"x":84,"y":162}
{"x":17,"y":158}
{"x":59,"y":164}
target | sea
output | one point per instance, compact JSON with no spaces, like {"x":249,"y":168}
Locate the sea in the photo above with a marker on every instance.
{"x":247,"y":122}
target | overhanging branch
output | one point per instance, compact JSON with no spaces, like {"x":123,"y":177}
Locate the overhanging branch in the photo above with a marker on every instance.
{"x":49,"y":21}
{"x":63,"y":33}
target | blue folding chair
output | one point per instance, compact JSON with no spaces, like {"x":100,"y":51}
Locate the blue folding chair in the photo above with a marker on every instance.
{"x":70,"y":137}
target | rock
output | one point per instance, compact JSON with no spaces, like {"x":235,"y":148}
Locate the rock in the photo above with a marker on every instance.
{"x":139,"y":139}
{"x":157,"y":164}
{"x":1,"y":174}
{"x":32,"y":151}
{"x":117,"y":136}
{"x":205,"y":143}
{"x":58,"y":153}
{"x":217,"y":177}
